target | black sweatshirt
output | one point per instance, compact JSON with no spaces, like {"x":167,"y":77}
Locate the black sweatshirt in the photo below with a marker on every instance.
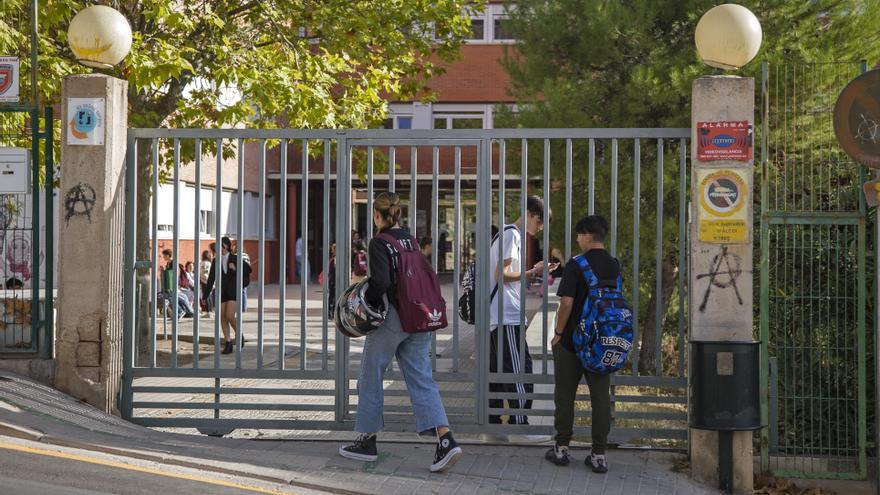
{"x":382,"y":276}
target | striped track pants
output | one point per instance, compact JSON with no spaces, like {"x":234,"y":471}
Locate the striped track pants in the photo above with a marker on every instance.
{"x":513,"y":362}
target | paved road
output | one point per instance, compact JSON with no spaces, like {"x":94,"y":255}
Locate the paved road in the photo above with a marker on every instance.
{"x":39,"y":470}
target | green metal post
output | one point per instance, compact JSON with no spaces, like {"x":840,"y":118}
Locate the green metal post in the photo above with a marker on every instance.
{"x":129,"y":324}
{"x":37,"y":340}
{"x":764,"y":305}
{"x":49,"y":302}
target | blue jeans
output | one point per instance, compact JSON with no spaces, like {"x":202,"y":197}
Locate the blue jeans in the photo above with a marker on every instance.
{"x":413,"y":355}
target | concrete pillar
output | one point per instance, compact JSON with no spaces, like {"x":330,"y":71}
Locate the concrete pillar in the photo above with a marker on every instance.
{"x":90,"y":243}
{"x":721,"y":298}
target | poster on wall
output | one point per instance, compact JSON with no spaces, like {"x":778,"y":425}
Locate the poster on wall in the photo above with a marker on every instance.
{"x":722,"y":213}
{"x":724,"y":141}
{"x":9,"y":79}
{"x":85,"y":121}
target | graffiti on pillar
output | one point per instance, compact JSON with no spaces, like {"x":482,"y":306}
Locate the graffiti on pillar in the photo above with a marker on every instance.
{"x":723,"y":273}
{"x":79,"y":201}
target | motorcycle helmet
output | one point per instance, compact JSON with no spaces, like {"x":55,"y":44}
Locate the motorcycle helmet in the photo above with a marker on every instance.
{"x":353,"y":316}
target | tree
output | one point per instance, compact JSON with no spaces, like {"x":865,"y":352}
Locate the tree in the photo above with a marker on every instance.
{"x":586,"y":63}
{"x":296,"y":63}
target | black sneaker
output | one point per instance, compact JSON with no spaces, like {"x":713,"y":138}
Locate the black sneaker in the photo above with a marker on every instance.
{"x":558,"y":454}
{"x":227,"y":347}
{"x":447,"y":453}
{"x":363,"y":448}
{"x":597,"y":463}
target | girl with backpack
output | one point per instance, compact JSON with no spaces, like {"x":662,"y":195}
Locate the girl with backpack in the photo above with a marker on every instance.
{"x":391,"y":339}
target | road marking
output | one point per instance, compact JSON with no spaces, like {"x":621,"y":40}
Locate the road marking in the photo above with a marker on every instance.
{"x":130,"y":467}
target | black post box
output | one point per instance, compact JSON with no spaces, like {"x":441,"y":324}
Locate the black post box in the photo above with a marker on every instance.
{"x":725,"y":387}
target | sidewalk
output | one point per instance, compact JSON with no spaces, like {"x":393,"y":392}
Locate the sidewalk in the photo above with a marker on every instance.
{"x":35,"y":412}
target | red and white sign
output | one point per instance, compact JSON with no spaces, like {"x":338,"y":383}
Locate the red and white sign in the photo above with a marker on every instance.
{"x":9,"y":79}
{"x":724,"y":141}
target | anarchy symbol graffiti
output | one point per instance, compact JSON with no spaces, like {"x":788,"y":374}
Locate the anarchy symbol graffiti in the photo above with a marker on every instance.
{"x":79,"y":201}
{"x":725,"y":270}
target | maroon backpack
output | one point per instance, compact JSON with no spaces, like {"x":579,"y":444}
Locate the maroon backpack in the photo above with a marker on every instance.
{"x":420,"y":304}
{"x":360,"y":264}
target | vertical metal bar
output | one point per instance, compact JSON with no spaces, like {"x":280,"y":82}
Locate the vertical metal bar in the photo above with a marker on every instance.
{"x":392,"y":168}
{"x":239,"y":258}
{"x":524,"y":188}
{"x":658,"y":295}
{"x":261,"y":276}
{"x":48,"y":301}
{"x":325,"y":335}
{"x":128,"y":301}
{"x":457,"y":238}
{"x":545,"y":249}
{"x":498,"y":276}
{"x":155,"y":255}
{"x":591,"y":209}
{"x":482,"y":282}
{"x":282,"y":255}
{"x":614,"y":197}
{"x":568,"y":219}
{"x":174,"y":258}
{"x":370,"y":194}
{"x":218,"y":253}
{"x":35,"y":227}
{"x":764,"y":263}
{"x":861,"y":309}
{"x":35,"y":63}
{"x":197,"y":292}
{"x":637,"y":185}
{"x":343,"y":200}
{"x":304,"y":279}
{"x":413,"y":190}
{"x":435,"y":212}
{"x":682,"y":250}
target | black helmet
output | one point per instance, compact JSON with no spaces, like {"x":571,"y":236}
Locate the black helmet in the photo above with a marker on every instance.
{"x":353,"y":316}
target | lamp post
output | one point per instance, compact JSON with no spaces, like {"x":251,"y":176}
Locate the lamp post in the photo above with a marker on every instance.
{"x":99,"y":37}
{"x":728,"y":36}
{"x":724,"y":381}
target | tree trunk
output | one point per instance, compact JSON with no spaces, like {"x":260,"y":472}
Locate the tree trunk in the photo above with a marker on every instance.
{"x":648,"y":348}
{"x":143,"y":249}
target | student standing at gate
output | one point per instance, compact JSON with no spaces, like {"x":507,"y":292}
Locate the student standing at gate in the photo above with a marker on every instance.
{"x":390,"y":340}
{"x":228,"y":288}
{"x":568,"y":367}
{"x":505,"y":338}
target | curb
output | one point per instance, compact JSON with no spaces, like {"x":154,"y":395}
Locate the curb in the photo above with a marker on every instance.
{"x":11,"y":430}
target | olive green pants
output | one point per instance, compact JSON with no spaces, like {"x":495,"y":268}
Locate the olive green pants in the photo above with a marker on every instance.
{"x":567,"y":374}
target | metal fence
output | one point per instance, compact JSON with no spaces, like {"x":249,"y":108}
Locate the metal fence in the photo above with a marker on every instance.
{"x":813,"y":279}
{"x":295,"y":371}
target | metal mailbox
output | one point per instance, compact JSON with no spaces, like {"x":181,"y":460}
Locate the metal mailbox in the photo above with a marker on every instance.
{"x":14,"y":170}
{"x":725,"y":386}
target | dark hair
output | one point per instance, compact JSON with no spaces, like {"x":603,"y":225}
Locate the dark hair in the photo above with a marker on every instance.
{"x":494,"y":231}
{"x":213,"y":247}
{"x":188,"y":263}
{"x":425,"y":241}
{"x":595,"y":225}
{"x":535,"y":207}
{"x":226,"y":242}
{"x":205,"y":255}
{"x":388,"y":206}
{"x":14,"y":283}
{"x":168,"y":252}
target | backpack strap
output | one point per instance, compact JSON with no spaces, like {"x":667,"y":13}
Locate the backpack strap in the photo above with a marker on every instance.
{"x":589,"y":278}
{"x":506,"y":228}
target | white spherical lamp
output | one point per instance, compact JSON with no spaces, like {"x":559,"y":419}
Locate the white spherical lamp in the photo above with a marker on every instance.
{"x":99,"y":36}
{"x":728,"y":36}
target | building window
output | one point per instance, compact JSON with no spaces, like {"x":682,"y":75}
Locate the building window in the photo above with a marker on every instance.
{"x":471,"y":120}
{"x":206,"y":222}
{"x":164,"y":227}
{"x":503,"y":28}
{"x":398,"y":122}
{"x":477,"y":31}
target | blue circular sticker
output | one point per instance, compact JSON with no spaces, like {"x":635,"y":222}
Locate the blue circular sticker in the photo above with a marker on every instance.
{"x":85,"y":120}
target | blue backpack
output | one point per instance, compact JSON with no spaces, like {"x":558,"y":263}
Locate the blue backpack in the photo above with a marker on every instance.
{"x":604,"y":335}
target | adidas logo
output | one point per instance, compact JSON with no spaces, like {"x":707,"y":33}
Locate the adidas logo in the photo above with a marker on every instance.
{"x":435,"y":315}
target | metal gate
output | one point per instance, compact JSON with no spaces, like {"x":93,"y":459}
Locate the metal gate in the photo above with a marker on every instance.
{"x":294,"y":371}
{"x":813,"y":279}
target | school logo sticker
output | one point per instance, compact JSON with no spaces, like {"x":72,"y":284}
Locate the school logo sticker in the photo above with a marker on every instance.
{"x":9,"y":79}
{"x":85,"y":121}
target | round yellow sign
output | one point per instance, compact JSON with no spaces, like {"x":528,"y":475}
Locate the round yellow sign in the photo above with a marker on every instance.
{"x":723,"y":193}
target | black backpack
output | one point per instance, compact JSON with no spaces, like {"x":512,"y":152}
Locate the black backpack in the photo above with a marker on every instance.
{"x":467,"y":300}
